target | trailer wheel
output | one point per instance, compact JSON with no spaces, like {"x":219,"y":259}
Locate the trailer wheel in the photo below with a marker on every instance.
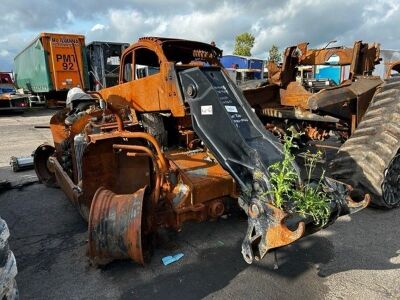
{"x":8,"y":266}
{"x":370,"y":159}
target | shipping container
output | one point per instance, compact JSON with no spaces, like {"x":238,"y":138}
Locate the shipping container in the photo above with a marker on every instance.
{"x":247,"y":68}
{"x":52,"y":63}
{"x":104,"y":60}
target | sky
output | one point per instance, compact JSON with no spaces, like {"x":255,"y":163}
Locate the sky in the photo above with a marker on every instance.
{"x":279,"y":22}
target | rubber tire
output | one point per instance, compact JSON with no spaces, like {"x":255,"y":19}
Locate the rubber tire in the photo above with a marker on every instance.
{"x":153,"y":123}
{"x":8,"y":266}
{"x":366,"y":157}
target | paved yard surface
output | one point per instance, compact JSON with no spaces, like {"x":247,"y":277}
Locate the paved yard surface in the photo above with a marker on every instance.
{"x":356,"y":258}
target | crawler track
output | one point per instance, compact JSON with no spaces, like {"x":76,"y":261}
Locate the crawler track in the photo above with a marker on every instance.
{"x":369,"y":160}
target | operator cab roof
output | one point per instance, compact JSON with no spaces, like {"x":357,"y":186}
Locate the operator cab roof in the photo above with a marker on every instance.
{"x":179,"y":49}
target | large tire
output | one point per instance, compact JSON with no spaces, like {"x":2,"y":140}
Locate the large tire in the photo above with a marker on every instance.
{"x":369,"y":160}
{"x":153,"y":123}
{"x":8,"y":266}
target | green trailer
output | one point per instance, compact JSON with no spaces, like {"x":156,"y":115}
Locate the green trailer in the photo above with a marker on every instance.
{"x":52,"y":63}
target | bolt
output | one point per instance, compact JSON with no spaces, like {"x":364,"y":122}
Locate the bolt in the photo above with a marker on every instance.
{"x":191,"y":91}
{"x":254,"y":210}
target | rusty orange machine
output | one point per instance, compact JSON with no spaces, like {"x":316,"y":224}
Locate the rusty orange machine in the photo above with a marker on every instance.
{"x":362,"y":113}
{"x":175,"y":141}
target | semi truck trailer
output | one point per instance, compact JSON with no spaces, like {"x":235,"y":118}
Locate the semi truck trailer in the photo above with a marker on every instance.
{"x":51,"y":65}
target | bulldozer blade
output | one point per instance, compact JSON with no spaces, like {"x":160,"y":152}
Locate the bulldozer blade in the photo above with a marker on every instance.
{"x":115,"y":227}
{"x":42,"y":167}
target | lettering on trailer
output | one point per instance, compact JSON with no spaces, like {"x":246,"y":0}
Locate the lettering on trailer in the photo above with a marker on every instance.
{"x":64,"y":41}
{"x":67,"y":61}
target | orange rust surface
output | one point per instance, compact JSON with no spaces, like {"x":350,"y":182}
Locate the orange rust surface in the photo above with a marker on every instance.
{"x":321,"y":56}
{"x":163,"y":164}
{"x":207,"y":180}
{"x":156,"y":92}
{"x":278,"y":234}
{"x":115,"y":226}
{"x":347,"y":56}
{"x":295,"y":95}
{"x":57,"y":127}
{"x":391,"y":66}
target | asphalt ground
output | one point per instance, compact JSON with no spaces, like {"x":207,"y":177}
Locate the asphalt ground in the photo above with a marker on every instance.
{"x":356,"y":258}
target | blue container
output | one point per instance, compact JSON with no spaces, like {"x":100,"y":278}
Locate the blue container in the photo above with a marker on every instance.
{"x":332,"y":72}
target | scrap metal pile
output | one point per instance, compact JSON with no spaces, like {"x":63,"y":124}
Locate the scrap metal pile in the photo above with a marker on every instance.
{"x":362,"y":113}
{"x":176,"y":141}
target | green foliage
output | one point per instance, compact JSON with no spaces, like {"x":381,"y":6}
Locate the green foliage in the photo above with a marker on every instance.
{"x":311,"y":199}
{"x":273,"y":54}
{"x":283,"y":175}
{"x":308,"y":199}
{"x":243,"y":44}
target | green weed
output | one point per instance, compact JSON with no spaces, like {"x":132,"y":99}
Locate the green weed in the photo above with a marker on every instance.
{"x":308,"y":199}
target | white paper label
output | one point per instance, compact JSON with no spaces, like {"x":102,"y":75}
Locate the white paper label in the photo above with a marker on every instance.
{"x":231,"y":108}
{"x":206,"y":110}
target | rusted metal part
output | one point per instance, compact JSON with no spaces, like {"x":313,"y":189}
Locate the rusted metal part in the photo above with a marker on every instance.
{"x":390,"y":67}
{"x":71,"y":190}
{"x":267,"y":230}
{"x":313,"y":133}
{"x":278,"y":233}
{"x":294,"y":94}
{"x":270,"y":227}
{"x":356,"y":206}
{"x":350,"y":98}
{"x":313,"y":57}
{"x":104,"y":166}
{"x":282,"y":76}
{"x":161,"y":87}
{"x":57,"y":127}
{"x":342,"y":195}
{"x":205,"y":178}
{"x":104,"y":171}
{"x":201,"y":185}
{"x":116,"y":227}
{"x":330,"y":97}
{"x":262,"y":95}
{"x":144,"y":151}
{"x":163,"y":164}
{"x":43,"y":169}
{"x":362,"y":57}
{"x":294,"y":113}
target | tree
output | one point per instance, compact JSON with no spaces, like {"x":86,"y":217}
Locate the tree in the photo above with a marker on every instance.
{"x":243,"y":44}
{"x":274,"y":54}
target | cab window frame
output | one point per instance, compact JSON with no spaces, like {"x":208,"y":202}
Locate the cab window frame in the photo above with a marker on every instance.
{"x":146,"y":67}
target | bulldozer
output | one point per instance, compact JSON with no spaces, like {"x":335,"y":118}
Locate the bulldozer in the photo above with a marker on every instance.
{"x":174,"y":141}
{"x":361,"y":115}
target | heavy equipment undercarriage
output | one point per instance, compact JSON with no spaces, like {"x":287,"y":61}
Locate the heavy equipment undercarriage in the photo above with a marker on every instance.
{"x":175,"y":141}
